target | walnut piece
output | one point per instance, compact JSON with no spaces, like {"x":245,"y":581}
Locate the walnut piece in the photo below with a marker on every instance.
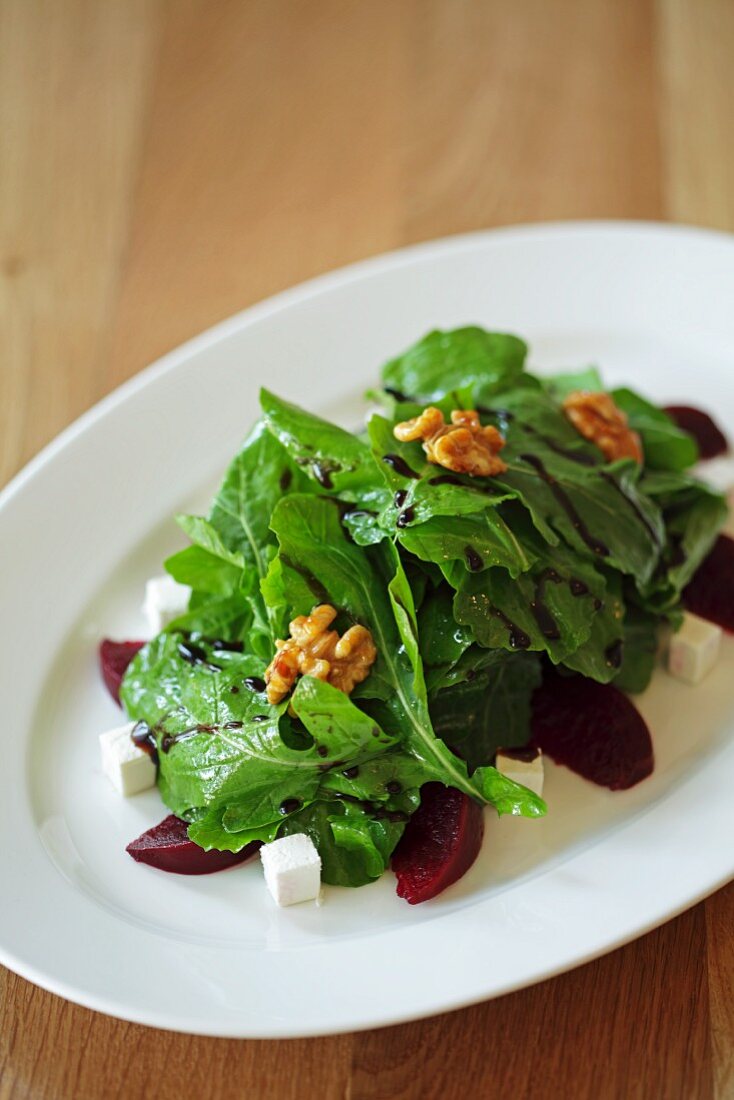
{"x":597,"y":418}
{"x":314,"y":650}
{"x":463,"y":446}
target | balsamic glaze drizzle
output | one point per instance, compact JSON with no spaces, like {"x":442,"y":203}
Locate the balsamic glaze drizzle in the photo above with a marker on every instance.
{"x":474,"y":560}
{"x":448,"y":479}
{"x":289,"y":806}
{"x":518,"y":638}
{"x":399,"y":396}
{"x":613,"y":654}
{"x":544,"y":619}
{"x":255,"y":683}
{"x":568,"y":506}
{"x":654,"y":535}
{"x":194,"y":655}
{"x":144,"y":737}
{"x":313,"y":582}
{"x":399,"y":465}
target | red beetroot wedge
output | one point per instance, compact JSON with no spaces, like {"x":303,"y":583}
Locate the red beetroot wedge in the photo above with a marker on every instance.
{"x":704,"y":429}
{"x":440,"y":843}
{"x":114,"y":657}
{"x":593,"y":729}
{"x":711,"y":592}
{"x":167,"y":847}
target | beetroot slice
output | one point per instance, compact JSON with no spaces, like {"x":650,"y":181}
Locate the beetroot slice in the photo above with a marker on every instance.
{"x":704,"y":429}
{"x":167,"y":847}
{"x":711,"y":592}
{"x":440,"y":843}
{"x":114,"y":657}
{"x":593,"y":729}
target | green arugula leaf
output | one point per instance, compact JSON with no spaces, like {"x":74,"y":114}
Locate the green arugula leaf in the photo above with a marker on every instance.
{"x":490,"y":711}
{"x":336,"y":460}
{"x":203,"y":571}
{"x":665,"y":445}
{"x":693,"y":514}
{"x":444,"y":361}
{"x":360,"y":583}
{"x":559,"y":386}
{"x":639,"y":652}
{"x":221,"y":750}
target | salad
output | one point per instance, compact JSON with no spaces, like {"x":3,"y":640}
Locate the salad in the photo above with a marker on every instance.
{"x":372,"y":616}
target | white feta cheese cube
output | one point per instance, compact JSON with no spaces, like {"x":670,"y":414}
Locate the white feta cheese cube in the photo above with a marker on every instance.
{"x":523,"y":766}
{"x":165,"y":599}
{"x":716,"y":472}
{"x":128,"y":768}
{"x":292,"y":869}
{"x":694,"y":649}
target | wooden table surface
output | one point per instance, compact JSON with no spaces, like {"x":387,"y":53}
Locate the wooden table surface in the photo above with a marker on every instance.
{"x":166,"y":164}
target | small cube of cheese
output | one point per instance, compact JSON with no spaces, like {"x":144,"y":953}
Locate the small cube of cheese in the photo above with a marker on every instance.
{"x":292,"y":869}
{"x":523,"y":766}
{"x":716,"y":472}
{"x":694,"y":649}
{"x":128,"y":768}
{"x":165,"y":599}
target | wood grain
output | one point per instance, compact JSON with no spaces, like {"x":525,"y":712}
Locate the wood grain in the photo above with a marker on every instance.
{"x":165,"y":164}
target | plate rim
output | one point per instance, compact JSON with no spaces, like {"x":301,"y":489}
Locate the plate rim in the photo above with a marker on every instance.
{"x":372,"y":266}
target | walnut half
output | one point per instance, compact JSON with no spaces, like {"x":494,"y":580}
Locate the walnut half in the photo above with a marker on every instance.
{"x":463,"y":446}
{"x":314,"y":650}
{"x":597,"y":418}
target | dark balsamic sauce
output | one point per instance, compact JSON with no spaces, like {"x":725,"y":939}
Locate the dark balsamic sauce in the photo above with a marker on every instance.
{"x":613,"y":654}
{"x":234,"y":689}
{"x":255,"y":683}
{"x":285,"y":480}
{"x":144,"y":737}
{"x":544,"y":619}
{"x":518,"y":638}
{"x":474,"y":560}
{"x":351,"y":773}
{"x":313,"y":582}
{"x":399,"y":465}
{"x":505,"y":418}
{"x":406,"y":516}
{"x":678,"y":555}
{"x":393,"y":787}
{"x":289,"y":806}
{"x":194,"y":655}
{"x":323,"y":473}
{"x":594,"y":544}
{"x":225,"y":646}
{"x":654,"y":535}
{"x":322,"y":750}
{"x":171,"y":739}
{"x":398,"y":395}
{"x":448,"y":479}
{"x":578,"y":588}
{"x":260,"y":718}
{"x":400,"y":498}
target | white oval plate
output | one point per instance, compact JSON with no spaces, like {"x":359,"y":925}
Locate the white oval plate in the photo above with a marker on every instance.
{"x":87,"y":521}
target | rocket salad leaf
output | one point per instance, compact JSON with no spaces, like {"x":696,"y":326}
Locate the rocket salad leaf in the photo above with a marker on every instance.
{"x":467,"y":585}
